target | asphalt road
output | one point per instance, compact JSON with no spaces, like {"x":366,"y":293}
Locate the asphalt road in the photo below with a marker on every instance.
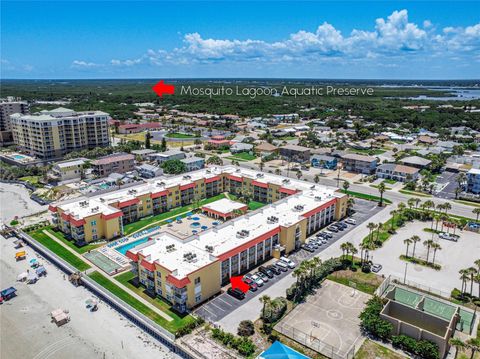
{"x":447,"y":184}
{"x":224,"y":304}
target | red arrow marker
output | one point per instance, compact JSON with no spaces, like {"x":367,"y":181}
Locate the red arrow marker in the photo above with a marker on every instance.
{"x":162,"y":88}
{"x":237,"y":282}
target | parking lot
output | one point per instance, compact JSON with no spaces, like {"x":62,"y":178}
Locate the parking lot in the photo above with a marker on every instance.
{"x":224,"y":304}
{"x":446,"y":184}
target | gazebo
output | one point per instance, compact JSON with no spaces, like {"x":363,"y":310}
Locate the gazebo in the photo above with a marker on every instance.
{"x":224,"y":209}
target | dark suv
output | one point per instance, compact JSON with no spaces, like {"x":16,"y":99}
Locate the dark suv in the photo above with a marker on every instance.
{"x":274,"y":269}
{"x":265,"y":271}
{"x":237,"y":293}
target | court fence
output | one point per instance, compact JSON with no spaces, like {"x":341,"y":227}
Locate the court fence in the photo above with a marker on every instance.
{"x":314,"y":343}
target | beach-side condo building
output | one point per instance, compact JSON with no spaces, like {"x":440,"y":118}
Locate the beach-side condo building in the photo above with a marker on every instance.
{"x":52,"y":134}
{"x":8,"y":107}
{"x":115,"y":163}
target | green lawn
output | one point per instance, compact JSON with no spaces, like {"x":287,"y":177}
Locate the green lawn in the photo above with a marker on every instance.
{"x":59,"y":250}
{"x":420,"y":261}
{"x":33,"y":180}
{"x":364,"y":282}
{"x":171,"y":326}
{"x":59,"y":235}
{"x":150,"y":220}
{"x":414,"y":193}
{"x":177,"y":322}
{"x":383,"y":235}
{"x":389,"y":181}
{"x":369,"y":152}
{"x":468,"y":203}
{"x":253,"y":205}
{"x":368,"y":197}
{"x":371,"y":350}
{"x":244,"y":156}
{"x":376,"y":186}
{"x":179,"y":135}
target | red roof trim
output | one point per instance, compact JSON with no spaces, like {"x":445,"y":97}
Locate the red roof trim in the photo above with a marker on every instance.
{"x":132,"y":256}
{"x":260,"y":184}
{"x":235,"y":178}
{"x":112,"y":215}
{"x":147,"y":265}
{"x":128,"y":203}
{"x":250,"y":243}
{"x":77,"y":222}
{"x":179,"y":283}
{"x":52,"y":208}
{"x":159,"y":194}
{"x":212,"y":179}
{"x":187,"y":186}
{"x":65,"y":216}
{"x":287,"y":191}
{"x":321,"y":208}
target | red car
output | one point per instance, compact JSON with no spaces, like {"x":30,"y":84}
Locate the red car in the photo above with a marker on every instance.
{"x":253,"y":286}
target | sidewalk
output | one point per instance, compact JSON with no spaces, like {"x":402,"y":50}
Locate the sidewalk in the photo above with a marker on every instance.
{"x":94,"y":267}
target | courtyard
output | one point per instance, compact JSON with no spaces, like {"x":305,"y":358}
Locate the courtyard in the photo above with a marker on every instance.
{"x":328,"y":321}
{"x":453,"y":257}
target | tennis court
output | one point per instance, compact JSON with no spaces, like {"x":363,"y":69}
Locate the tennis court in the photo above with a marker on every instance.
{"x":102,"y":261}
{"x":328,"y":321}
{"x":407,"y":297}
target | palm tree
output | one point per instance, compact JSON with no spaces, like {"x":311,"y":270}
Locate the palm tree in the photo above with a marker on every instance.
{"x":415,"y":239}
{"x":411,"y":202}
{"x":428,"y":244}
{"x":392,"y":213}
{"x":417,"y":202}
{"x":278,"y":171}
{"x":362,"y":247}
{"x":344,"y":247}
{"x":464,"y":277}
{"x":345,"y":186}
{"x":476,"y":211}
{"x":472,"y":271}
{"x":477,"y":263}
{"x":316,"y":179}
{"x":474,"y":345}
{"x":461,"y":179}
{"x":401,"y":206}
{"x":299,"y":174}
{"x":261,"y":165}
{"x":436,"y":247}
{"x":265,"y":299}
{"x":353,"y":250}
{"x":350,"y":203}
{"x":476,"y":279}
{"x":371,"y":226}
{"x":381,"y":190}
{"x":447,"y":207}
{"x":407,"y":241}
{"x":443,"y":218}
{"x":458,"y":344}
{"x":379,"y":228}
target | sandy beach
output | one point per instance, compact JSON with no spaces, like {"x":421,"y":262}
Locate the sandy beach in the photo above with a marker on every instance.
{"x":26,"y":330}
{"x":15,"y":201}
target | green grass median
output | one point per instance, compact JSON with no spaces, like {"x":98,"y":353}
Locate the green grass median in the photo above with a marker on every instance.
{"x":59,"y":250}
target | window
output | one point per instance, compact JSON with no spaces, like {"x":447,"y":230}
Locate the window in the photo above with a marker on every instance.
{"x":93,"y":223}
{"x":197,"y":280}
{"x":198,"y":298}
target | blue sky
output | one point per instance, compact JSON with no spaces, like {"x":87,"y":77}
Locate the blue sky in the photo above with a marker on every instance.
{"x":332,"y":39}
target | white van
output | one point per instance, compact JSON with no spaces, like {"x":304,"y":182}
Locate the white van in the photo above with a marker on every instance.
{"x":288,"y":262}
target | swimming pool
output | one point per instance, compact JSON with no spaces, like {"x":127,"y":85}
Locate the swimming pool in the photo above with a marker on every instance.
{"x":18,"y":157}
{"x":123,"y":249}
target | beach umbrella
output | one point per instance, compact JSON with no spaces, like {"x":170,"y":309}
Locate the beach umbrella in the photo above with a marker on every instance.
{"x":179,"y":218}
{"x":204,"y":227}
{"x":22,"y":276}
{"x":169,"y":220}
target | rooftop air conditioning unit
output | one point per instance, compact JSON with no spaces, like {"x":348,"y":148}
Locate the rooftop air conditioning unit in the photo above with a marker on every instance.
{"x":318,"y":198}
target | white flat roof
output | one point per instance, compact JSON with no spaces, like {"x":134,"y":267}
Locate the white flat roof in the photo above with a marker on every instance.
{"x":87,"y":207}
{"x":224,"y":205}
{"x":175,"y":259}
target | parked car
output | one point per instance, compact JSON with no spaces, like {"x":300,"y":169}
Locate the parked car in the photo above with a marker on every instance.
{"x":266,"y":271}
{"x":320,"y":235}
{"x":342,"y":224}
{"x":282,"y":266}
{"x":236,"y":293}
{"x":308,"y":247}
{"x":256,"y":278}
{"x":263,"y":276}
{"x":313,"y":244}
{"x":448,"y":236}
{"x":253,"y":286}
{"x":376,"y":268}
{"x":274,"y":269}
{"x":288,"y":262}
{"x":332,"y":228}
{"x":351,"y":221}
{"x":327,"y":234}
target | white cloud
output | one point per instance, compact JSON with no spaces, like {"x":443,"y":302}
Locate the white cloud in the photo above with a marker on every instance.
{"x":391,"y":38}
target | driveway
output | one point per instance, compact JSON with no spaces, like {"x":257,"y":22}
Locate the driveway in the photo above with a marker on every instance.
{"x":228,"y":311}
{"x":446,"y":184}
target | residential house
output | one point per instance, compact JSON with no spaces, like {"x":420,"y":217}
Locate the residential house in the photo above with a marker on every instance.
{"x":193,"y":163}
{"x":68,"y":170}
{"x":116,"y":163}
{"x":265,"y":149}
{"x":143,"y":154}
{"x":240,"y":147}
{"x":400,"y":173}
{"x":427,"y":140}
{"x":324,"y":161}
{"x":161,"y":157}
{"x":149,"y":171}
{"x":295,"y":153}
{"x":353,"y":162}
{"x":416,"y":161}
{"x":473,"y":181}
